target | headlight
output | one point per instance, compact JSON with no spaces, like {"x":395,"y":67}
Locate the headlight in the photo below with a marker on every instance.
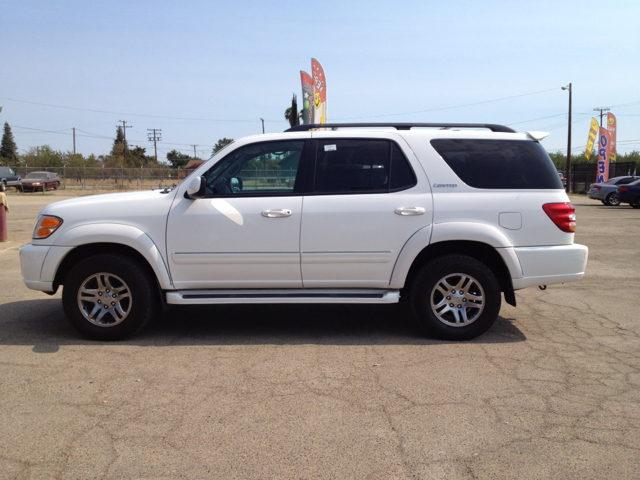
{"x":46,"y":226}
{"x":36,"y":183}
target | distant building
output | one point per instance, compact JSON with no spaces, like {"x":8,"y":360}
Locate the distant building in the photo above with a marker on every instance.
{"x":191,"y":166}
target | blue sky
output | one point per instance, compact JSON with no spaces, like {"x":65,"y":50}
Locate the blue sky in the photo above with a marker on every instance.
{"x":221,"y":66}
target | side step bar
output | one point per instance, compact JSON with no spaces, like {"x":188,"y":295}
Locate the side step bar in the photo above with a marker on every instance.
{"x":205,"y":297}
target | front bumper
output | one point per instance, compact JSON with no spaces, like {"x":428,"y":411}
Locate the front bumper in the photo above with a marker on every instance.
{"x":39,"y":264}
{"x":550,"y":265}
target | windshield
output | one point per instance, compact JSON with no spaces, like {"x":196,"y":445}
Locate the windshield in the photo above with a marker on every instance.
{"x":39,"y":175}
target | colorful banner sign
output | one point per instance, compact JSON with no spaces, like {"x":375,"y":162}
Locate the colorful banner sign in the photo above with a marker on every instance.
{"x":593,"y":132}
{"x":320,"y":94}
{"x":308,"y":91}
{"x":611,"y":128}
{"x":604,"y":144}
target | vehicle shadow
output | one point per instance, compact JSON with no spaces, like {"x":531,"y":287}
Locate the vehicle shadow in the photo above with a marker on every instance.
{"x":42,"y":323}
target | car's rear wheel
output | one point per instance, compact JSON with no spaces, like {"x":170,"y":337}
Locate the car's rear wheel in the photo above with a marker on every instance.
{"x":455,"y":297}
{"x":109,"y":297}
{"x":612,"y":200}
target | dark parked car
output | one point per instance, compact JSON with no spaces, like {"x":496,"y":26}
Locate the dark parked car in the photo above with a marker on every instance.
{"x":8,"y":178}
{"x":630,"y":194}
{"x":606,"y":191}
{"x":563,"y":179}
{"x":40,"y":181}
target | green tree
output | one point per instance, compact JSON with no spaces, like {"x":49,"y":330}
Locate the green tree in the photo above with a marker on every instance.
{"x":223,"y":142}
{"x":8,"y":148}
{"x":137,"y":157}
{"x":119,"y":144}
{"x":291,"y":113}
{"x":177,"y":159}
{"x":43,"y":156}
{"x":119,"y":136}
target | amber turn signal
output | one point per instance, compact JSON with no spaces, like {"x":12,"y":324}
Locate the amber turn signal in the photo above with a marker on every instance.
{"x":46,"y":226}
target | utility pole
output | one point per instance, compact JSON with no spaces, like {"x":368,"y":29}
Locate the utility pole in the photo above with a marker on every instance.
{"x":156,"y":136}
{"x":74,"y":141}
{"x":262,"y":124}
{"x":601,"y":110}
{"x":124,"y":132}
{"x":194,"y":151}
{"x":569,"y":178}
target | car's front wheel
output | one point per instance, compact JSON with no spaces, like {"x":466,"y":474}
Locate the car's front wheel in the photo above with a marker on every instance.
{"x":109,"y":297}
{"x":3,"y":186}
{"x":455,"y":297}
{"x":612,"y":200}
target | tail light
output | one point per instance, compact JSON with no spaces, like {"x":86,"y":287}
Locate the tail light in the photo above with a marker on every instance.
{"x":595,"y":187}
{"x":563,"y":215}
{"x":623,"y":189}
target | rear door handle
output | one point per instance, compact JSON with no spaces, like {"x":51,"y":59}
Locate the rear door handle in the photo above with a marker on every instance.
{"x":409,"y":211}
{"x":276,"y":213}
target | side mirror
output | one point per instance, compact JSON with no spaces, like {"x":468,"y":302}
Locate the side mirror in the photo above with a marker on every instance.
{"x":236,"y":184}
{"x":195,"y":188}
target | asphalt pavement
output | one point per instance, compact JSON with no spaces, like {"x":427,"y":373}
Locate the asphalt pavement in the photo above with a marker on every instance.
{"x":330,"y":392}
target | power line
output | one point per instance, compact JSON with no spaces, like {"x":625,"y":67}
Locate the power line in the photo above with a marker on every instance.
{"x":534,"y":119}
{"x":156,"y":136}
{"x":94,"y":135}
{"x":448,"y":108}
{"x":132,"y":114}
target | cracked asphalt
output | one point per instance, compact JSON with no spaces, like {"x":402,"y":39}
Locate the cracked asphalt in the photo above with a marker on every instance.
{"x":330,"y":392}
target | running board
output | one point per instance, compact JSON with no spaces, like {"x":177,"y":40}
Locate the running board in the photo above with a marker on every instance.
{"x":205,"y":297}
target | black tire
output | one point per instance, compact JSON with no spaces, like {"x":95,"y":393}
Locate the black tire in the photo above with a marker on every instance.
{"x":132,"y":294}
{"x":636,"y":204}
{"x":612,"y":200}
{"x":474,"y":279}
{"x":3,"y":186}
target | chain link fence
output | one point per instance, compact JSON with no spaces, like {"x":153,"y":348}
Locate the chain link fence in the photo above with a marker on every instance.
{"x":151,"y":178}
{"x":584,"y":174}
{"x":110,"y":178}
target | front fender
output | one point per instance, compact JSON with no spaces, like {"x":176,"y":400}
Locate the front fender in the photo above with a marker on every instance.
{"x":120,"y":234}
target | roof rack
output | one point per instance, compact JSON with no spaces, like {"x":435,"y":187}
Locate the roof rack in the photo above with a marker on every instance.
{"x":402,"y":126}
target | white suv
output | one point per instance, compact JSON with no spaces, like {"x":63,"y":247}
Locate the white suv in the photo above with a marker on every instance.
{"x":448,"y":218}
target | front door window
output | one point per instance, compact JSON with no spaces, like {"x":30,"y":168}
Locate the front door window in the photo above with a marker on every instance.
{"x":268,"y":168}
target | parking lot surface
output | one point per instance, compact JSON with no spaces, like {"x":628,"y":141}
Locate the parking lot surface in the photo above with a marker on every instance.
{"x":330,"y":392}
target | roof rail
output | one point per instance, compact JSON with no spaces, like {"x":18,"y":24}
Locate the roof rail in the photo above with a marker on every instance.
{"x":401,"y":126}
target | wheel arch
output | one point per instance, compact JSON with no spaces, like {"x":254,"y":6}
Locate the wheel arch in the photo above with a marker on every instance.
{"x":116,"y":238}
{"x":483,"y":252}
{"x":81,"y":252}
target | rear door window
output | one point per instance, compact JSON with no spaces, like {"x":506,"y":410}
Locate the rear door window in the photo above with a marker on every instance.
{"x":360,"y":166}
{"x":625,"y":181}
{"x":499,"y":164}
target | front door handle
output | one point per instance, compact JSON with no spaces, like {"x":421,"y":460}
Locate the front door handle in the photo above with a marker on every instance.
{"x":276,"y":213}
{"x":409,"y":211}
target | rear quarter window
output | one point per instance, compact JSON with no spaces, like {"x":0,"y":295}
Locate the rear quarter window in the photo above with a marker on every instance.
{"x":499,"y":164}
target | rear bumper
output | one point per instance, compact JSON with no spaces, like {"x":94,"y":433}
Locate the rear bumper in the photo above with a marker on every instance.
{"x":550,"y":265}
{"x":597,"y":194}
